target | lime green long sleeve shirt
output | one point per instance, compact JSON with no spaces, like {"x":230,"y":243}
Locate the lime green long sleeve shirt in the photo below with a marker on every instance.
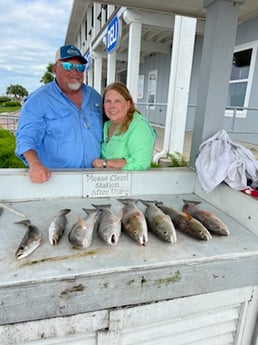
{"x":136,"y":145}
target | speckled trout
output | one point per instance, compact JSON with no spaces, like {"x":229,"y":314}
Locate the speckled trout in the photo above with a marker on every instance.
{"x":208,"y":219}
{"x":133,"y":221}
{"x":57,"y":226}
{"x":109,"y":224}
{"x":159,"y":223}
{"x":186,"y":223}
{"x":31,"y":240}
{"x":81,"y":233}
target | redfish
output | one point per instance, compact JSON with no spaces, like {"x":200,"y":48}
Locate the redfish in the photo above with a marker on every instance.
{"x":133,"y":221}
{"x":208,"y":219}
{"x":109,"y":224}
{"x":185,"y":223}
{"x":159,"y":223}
{"x":81,"y":233}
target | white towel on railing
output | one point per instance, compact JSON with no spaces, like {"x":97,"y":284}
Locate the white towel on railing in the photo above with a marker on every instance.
{"x":220,"y":159}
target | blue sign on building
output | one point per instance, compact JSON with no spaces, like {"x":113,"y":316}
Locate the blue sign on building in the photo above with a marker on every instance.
{"x":112,"y":35}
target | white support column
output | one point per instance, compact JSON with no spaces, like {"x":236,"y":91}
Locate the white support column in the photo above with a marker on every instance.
{"x":97,"y":71}
{"x":111,"y":67}
{"x":134,"y":49}
{"x":182,"y":55}
{"x":90,"y":77}
{"x":179,"y":84}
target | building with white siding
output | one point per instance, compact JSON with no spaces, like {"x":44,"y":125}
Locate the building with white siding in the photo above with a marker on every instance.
{"x":159,"y":53}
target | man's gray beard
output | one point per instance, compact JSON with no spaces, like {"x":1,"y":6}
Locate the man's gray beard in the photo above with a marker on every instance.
{"x":74,"y":86}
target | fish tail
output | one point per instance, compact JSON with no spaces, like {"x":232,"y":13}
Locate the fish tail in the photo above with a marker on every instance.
{"x":191,"y":202}
{"x":148,"y":202}
{"x":101,"y":206}
{"x":127,"y":201}
{"x":89,"y":210}
{"x":65,"y":210}
{"x":25,"y":222}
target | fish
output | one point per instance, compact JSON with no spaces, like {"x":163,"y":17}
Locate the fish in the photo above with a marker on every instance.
{"x":214,"y":224}
{"x":159,"y":223}
{"x":31,"y":240}
{"x":1,"y":210}
{"x":109,"y":225}
{"x":185,"y":223}
{"x":57,"y":226}
{"x":134,"y":222}
{"x":81,"y":233}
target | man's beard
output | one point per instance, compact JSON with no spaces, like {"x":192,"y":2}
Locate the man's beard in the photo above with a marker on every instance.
{"x":74,"y":86}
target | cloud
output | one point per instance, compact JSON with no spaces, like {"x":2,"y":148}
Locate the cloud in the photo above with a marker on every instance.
{"x":31,"y":32}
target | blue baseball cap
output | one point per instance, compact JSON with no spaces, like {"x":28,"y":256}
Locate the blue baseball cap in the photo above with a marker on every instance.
{"x":69,"y":51}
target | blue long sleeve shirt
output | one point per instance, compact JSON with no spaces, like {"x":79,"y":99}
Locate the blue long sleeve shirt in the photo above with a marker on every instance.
{"x":62,"y":135}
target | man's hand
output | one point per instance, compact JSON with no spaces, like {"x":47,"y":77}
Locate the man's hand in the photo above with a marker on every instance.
{"x":38,"y":173}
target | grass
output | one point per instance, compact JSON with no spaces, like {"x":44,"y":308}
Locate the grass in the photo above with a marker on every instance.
{"x":9,"y":109}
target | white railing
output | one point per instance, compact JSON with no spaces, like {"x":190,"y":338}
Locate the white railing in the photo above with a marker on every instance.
{"x":9,"y":121}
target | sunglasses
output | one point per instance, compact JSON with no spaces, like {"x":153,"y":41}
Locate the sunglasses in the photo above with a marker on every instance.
{"x":68,"y":66}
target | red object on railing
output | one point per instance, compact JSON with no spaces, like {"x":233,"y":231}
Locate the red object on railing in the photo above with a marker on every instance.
{"x":250,"y":191}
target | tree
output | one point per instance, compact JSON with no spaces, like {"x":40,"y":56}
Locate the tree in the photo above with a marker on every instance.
{"x":48,"y":76}
{"x":16,"y":91}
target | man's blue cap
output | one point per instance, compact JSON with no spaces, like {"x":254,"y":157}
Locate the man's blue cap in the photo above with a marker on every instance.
{"x":69,"y":51}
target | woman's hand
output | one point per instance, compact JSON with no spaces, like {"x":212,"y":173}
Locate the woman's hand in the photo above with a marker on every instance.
{"x":98,"y":163}
{"x":109,"y":163}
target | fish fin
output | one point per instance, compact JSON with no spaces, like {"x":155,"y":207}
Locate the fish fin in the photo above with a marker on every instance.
{"x":80,"y":221}
{"x":119,"y":217}
{"x":187,"y":215}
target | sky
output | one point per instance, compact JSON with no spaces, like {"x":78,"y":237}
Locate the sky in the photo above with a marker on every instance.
{"x":31,"y":32}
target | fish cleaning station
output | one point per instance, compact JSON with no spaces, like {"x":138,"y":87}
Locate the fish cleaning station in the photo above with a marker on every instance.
{"x":199,"y":287}
{"x":126,"y":293}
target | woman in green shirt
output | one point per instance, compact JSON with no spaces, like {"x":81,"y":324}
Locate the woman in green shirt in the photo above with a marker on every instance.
{"x":129,"y":139}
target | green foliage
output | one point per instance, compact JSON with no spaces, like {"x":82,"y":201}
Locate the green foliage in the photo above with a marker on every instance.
{"x":4,"y":99}
{"x":48,"y":76}
{"x":155,"y":165}
{"x":11,"y":104}
{"x":16,"y":91}
{"x":177,"y":159}
{"x":7,"y":147}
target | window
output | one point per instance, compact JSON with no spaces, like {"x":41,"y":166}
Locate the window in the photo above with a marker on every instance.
{"x":241,"y":78}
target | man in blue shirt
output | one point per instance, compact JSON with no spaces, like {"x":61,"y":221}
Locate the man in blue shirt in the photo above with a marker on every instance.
{"x":60,"y":124}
